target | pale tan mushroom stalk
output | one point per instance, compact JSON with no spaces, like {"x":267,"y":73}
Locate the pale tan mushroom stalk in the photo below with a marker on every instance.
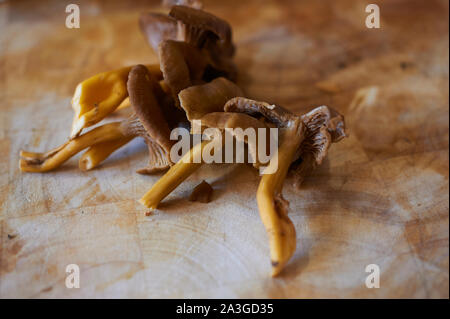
{"x":306,"y":138}
{"x":43,"y":162}
{"x":99,"y":152}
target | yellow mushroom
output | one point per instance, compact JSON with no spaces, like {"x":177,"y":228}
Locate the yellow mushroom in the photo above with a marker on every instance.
{"x":173,"y":177}
{"x":306,"y":138}
{"x":100,"y":95}
{"x":272,"y":206}
{"x":148,"y":121}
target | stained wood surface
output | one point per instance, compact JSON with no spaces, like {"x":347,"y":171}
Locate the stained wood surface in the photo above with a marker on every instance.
{"x":380,"y":198}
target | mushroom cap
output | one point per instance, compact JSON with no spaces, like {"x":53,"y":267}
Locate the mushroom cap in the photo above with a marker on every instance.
{"x":323,"y":126}
{"x":198,"y":25}
{"x":273,"y":113}
{"x":211,"y":34}
{"x":148,"y":120}
{"x":199,"y":100}
{"x":182,"y":65}
{"x":223,"y":120}
{"x":158,"y":27}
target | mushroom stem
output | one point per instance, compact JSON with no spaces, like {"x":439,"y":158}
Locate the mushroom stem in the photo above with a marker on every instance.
{"x":99,"y":152}
{"x":174,"y":177}
{"x":43,"y":162}
{"x":272,"y":206}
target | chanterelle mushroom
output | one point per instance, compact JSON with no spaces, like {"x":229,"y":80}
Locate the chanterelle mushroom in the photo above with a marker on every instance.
{"x":234,"y":121}
{"x":323,"y":127}
{"x":210,"y":33}
{"x":149,"y":121}
{"x":196,"y":101}
{"x":308,"y":136}
{"x":100,"y":95}
{"x":199,"y":29}
{"x":182,"y":65}
{"x":199,"y":100}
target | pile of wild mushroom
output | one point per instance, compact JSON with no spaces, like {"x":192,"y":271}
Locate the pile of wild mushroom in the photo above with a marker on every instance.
{"x":194,"y":81}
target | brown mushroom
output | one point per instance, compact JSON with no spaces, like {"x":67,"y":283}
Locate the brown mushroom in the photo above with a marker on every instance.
{"x":199,"y":100}
{"x":324,"y":126}
{"x":234,"y":121}
{"x":199,"y":29}
{"x":187,"y":165}
{"x":182,"y":65}
{"x":148,"y":121}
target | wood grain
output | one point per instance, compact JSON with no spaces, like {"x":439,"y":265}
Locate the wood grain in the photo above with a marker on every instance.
{"x":380,"y":198}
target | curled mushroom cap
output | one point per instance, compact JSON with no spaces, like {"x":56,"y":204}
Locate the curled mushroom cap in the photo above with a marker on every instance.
{"x":209,"y":33}
{"x":224,"y":120}
{"x":182,"y":65}
{"x":209,"y":36}
{"x":197,"y":27}
{"x":148,"y":120}
{"x":199,"y":100}
{"x":324,"y":126}
{"x":273,"y":113}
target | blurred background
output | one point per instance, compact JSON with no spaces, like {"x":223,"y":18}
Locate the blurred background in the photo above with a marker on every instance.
{"x":381,"y":197}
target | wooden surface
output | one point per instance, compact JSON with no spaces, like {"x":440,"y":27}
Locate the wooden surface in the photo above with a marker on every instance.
{"x":380,"y":198}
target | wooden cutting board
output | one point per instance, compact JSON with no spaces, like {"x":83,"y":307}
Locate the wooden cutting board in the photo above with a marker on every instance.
{"x":380,"y":198}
